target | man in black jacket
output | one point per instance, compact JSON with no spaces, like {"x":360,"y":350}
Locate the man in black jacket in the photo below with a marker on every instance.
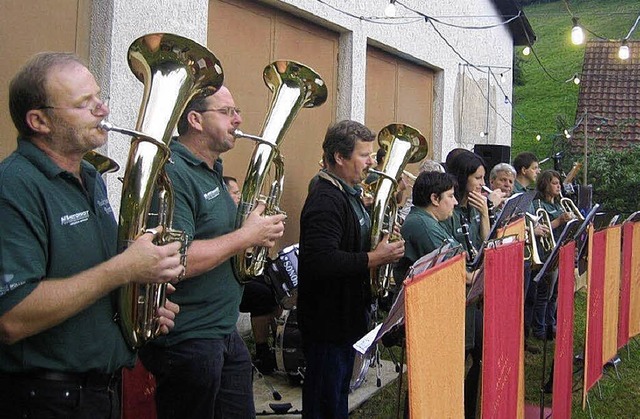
{"x":334,"y":263}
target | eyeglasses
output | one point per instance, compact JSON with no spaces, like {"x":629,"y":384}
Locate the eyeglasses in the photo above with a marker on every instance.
{"x":96,"y":110}
{"x":230,"y":111}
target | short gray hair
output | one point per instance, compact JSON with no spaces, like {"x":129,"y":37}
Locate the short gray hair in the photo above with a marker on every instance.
{"x":501,"y":167}
{"x":430,"y":166}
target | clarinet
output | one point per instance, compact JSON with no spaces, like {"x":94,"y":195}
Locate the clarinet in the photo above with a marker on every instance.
{"x":492,"y":213}
{"x":472,"y":253}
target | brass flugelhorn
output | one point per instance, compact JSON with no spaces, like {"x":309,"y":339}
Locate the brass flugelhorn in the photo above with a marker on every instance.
{"x":173,"y":69}
{"x":294,"y":86}
{"x":403,"y":144}
{"x":569,"y":206}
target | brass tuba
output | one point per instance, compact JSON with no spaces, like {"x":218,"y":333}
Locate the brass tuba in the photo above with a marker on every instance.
{"x":403,"y":144}
{"x":294,"y":86}
{"x":173,"y":69}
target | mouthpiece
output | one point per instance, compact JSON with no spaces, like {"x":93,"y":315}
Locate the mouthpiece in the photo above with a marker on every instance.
{"x":486,"y":189}
{"x":239,"y":134}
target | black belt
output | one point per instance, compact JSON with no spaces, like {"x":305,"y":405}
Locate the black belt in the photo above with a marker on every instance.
{"x":86,"y":379}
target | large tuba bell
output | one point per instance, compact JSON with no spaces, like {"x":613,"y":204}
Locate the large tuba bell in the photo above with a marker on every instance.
{"x":173,"y":69}
{"x":404,"y":145}
{"x":294,"y":86}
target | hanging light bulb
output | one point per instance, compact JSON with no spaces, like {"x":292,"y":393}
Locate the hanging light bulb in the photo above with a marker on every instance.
{"x":623,"y":52}
{"x":390,"y":10}
{"x":502,"y":78}
{"x":567,"y":134}
{"x":484,"y":134}
{"x":506,"y":99}
{"x":526,"y":50}
{"x":576,"y":80}
{"x":577,"y":34}
{"x":538,"y":137}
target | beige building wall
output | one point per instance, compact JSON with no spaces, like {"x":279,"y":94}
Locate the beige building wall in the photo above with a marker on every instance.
{"x":31,"y":26}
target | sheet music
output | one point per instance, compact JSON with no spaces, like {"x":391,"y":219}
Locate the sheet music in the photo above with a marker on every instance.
{"x":367,"y":340}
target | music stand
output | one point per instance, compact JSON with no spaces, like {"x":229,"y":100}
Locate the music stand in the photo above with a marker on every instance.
{"x":633,"y":217}
{"x":396,"y":314}
{"x":569,"y":233}
{"x":514,"y":207}
{"x":581,"y":243}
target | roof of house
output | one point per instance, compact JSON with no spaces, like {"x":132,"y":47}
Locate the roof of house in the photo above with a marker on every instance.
{"x":520,"y":28}
{"x":610,"y":95}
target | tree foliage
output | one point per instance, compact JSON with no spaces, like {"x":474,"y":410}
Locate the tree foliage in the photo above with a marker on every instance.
{"x":615,"y":176}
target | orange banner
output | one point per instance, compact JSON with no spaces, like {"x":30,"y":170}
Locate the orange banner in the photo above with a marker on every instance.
{"x":611,"y":293}
{"x":434,"y":320}
{"x":515,"y":228}
{"x":503,"y":333}
{"x":634,"y":283}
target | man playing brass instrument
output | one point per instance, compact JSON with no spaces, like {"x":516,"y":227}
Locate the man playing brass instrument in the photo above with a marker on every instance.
{"x":203,"y":369}
{"x":334,"y":293}
{"x":60,"y":350}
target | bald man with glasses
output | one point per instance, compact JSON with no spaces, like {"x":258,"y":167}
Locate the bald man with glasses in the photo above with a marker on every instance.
{"x":204,"y":369}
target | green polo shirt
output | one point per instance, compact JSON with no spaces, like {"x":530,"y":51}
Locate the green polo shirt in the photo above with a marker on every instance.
{"x":453,"y":225}
{"x":422,"y":234}
{"x":209,"y":303}
{"x":517,"y":187}
{"x":54,"y":227}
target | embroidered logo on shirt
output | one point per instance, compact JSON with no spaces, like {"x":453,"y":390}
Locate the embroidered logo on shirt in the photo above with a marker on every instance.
{"x":212,"y":194}
{"x":73,"y":219}
{"x":6,"y":285}
{"x":106,"y":207}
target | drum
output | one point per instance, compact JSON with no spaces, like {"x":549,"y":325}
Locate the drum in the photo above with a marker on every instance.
{"x":282,"y":274}
{"x":288,"y":347}
{"x":360,"y":369}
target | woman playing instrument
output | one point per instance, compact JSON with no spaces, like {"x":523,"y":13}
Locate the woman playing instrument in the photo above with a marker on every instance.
{"x":470,"y":226}
{"x":470,"y":222}
{"x":548,"y":197}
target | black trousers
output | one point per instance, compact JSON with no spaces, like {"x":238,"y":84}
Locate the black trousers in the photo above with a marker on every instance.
{"x":48,"y":395}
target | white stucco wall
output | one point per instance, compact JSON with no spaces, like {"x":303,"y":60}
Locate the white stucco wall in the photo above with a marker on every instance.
{"x":460,"y":96}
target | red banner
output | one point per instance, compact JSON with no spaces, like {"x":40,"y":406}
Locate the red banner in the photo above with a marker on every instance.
{"x":138,"y":392}
{"x":434,"y":321}
{"x":595,"y":305}
{"x":563,"y":358}
{"x":502,"y":359}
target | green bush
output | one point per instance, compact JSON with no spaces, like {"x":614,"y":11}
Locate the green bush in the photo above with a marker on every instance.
{"x":615,"y":176}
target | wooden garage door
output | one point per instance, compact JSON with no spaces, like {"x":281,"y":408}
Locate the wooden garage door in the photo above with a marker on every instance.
{"x":31,"y":26}
{"x":399,"y":91}
{"x":246,"y":37}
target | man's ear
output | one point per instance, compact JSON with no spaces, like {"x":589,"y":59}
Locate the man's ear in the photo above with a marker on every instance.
{"x":435,"y":199}
{"x":195,"y":120}
{"x":338,"y":158}
{"x":38,"y":121}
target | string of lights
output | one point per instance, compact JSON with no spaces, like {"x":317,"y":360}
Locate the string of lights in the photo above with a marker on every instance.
{"x":419,"y":17}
